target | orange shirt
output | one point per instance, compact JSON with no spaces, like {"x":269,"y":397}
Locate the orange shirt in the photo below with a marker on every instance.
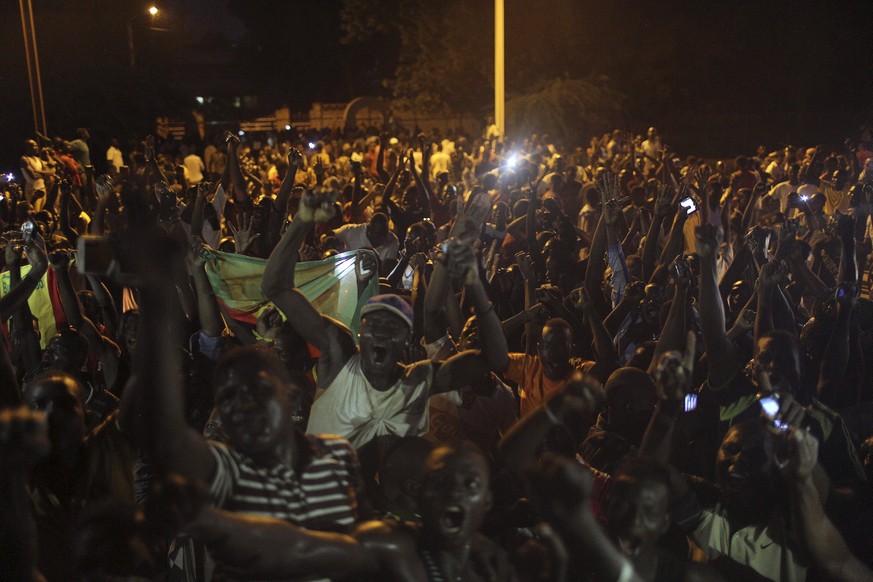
{"x":533,"y":385}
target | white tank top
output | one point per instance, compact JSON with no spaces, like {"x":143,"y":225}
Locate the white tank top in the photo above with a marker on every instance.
{"x":351,"y":408}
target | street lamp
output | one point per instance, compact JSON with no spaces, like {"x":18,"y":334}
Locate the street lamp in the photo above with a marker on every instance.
{"x":131,"y":49}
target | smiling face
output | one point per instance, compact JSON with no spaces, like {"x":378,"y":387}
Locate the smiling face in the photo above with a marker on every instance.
{"x":383,"y":340}
{"x":454,"y":496}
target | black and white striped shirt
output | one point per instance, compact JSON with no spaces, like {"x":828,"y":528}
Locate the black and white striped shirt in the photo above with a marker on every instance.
{"x":322,"y":494}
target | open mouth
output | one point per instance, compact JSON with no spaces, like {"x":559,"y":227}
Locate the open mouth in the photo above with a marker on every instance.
{"x":452,"y":519}
{"x":629,"y":545}
{"x":380,"y":354}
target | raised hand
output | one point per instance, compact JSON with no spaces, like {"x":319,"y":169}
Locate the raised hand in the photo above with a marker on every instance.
{"x":294,"y":157}
{"x":317,"y":205}
{"x":709,"y":238}
{"x":366,"y":266}
{"x":59,"y":260}
{"x":525,"y":265}
{"x":680,"y":272}
{"x":549,"y":295}
{"x":634,"y":293}
{"x":460,"y":261}
{"x":611,"y":212}
{"x":471,"y":216}
{"x":773,"y":273}
{"x":231,"y":139}
{"x":35,"y":251}
{"x":607,"y":187}
{"x":583,"y":395}
{"x":418,"y":261}
{"x":308,"y":253}
{"x":665,"y":201}
{"x":797,"y":454}
{"x":674,"y":370}
{"x":243,"y":236}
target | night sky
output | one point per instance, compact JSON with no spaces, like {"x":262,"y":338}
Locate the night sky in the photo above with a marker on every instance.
{"x":717,"y":78}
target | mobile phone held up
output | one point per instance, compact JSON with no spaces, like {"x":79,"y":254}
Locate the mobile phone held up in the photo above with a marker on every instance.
{"x":770,"y":407}
{"x":28,"y":227}
{"x":689,"y":205}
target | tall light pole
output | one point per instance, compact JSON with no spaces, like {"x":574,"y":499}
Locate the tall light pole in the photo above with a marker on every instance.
{"x":499,"y":97}
{"x":34,"y":77}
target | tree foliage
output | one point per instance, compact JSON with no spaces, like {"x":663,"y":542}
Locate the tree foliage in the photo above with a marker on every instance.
{"x":567,"y":109}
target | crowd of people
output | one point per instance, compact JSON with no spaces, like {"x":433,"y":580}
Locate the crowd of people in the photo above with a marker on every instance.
{"x":603,"y":363}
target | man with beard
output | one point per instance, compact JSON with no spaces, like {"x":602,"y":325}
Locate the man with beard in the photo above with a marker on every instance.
{"x":367,"y":392}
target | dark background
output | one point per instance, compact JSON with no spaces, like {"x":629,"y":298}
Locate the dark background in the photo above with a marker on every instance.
{"x":717,"y":78}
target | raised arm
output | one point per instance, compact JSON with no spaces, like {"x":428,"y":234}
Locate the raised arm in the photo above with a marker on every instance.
{"x":466,"y":367}
{"x":18,"y":294}
{"x":676,"y":326}
{"x":237,"y":181}
{"x":722,"y":356}
{"x":153,"y":404}
{"x":675,"y":245}
{"x":329,"y":336}
{"x":818,"y":534}
{"x":663,"y":208}
{"x":105,"y":301}
{"x":106,"y":351}
{"x":772,"y":275}
{"x":520,"y":447}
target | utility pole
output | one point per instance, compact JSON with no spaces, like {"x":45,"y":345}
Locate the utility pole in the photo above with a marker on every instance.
{"x":499,"y":97}
{"x":34,"y":77}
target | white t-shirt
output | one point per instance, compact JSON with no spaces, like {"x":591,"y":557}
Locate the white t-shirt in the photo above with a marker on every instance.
{"x":354,"y":237}
{"x":195,"y":168}
{"x":114,"y":157}
{"x":439,"y":162}
{"x":351,"y":408}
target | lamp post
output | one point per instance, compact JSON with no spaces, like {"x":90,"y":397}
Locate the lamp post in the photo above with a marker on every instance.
{"x":131,"y":48}
{"x":34,"y":77}
{"x":499,"y":98}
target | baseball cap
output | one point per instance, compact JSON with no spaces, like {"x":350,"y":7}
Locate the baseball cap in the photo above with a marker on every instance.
{"x":392,"y":303}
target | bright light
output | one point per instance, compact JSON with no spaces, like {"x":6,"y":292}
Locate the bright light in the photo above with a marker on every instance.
{"x":153,"y":10}
{"x":287,"y":128}
{"x":312,"y":145}
{"x":241,"y":133}
{"x":512,"y":161}
{"x":199,"y":100}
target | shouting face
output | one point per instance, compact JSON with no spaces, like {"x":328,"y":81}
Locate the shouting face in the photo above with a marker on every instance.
{"x":454,"y":496}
